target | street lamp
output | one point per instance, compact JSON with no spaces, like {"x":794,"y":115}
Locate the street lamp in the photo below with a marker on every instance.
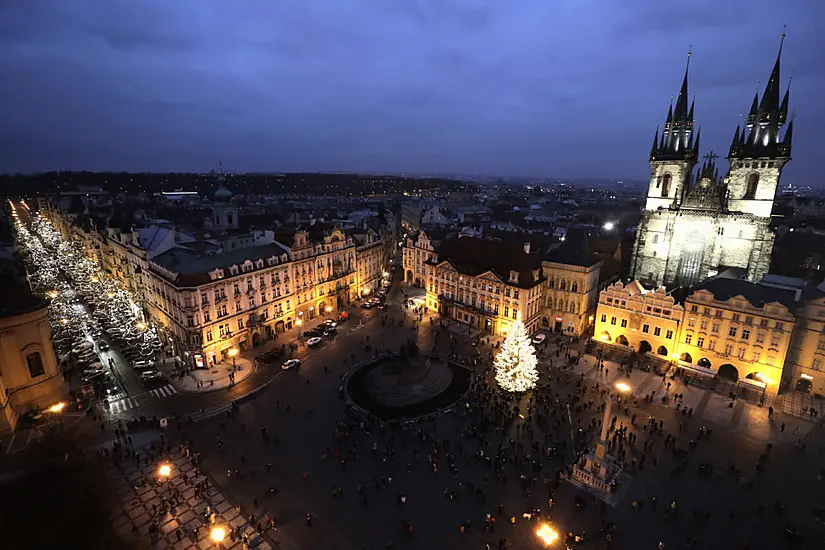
{"x":623,"y":388}
{"x":328,"y":309}
{"x":218,"y":534}
{"x":547,"y":534}
{"x":232,"y":353}
{"x":164,"y":472}
{"x":57,"y":407}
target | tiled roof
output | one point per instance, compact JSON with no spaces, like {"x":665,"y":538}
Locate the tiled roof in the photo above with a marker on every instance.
{"x":758,"y":295}
{"x":193,"y":266}
{"x":473,"y":256}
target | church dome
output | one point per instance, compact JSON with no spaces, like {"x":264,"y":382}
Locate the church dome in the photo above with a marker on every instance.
{"x":223,"y":194}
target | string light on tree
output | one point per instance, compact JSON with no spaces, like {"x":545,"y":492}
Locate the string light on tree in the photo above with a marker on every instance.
{"x":516,"y":361}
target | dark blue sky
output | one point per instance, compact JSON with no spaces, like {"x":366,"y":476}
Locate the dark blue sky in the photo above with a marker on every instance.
{"x":535,"y":87}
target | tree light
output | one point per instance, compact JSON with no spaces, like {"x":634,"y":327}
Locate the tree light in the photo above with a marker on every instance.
{"x":516,"y":361}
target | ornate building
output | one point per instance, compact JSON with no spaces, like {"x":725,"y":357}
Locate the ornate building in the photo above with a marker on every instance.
{"x":696,"y":224}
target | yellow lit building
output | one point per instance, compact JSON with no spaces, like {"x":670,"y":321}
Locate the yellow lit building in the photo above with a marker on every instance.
{"x":485,"y":284}
{"x":29,"y":375}
{"x":805,"y":366}
{"x":637,"y":319}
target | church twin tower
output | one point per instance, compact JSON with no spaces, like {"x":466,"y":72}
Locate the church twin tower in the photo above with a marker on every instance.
{"x":697,"y":223}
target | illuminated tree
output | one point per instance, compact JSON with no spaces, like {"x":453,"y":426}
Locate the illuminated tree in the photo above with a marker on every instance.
{"x":516,"y":361}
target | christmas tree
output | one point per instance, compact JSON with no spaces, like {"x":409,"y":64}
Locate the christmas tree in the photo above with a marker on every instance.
{"x":516,"y":361}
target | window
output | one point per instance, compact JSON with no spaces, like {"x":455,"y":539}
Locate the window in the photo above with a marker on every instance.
{"x":575,"y":287}
{"x":35,"y":363}
{"x":712,"y":345}
{"x":515,"y":294}
{"x":515,"y":313}
{"x":706,"y":311}
{"x":703,"y":325}
{"x":746,"y":334}
{"x":728,"y":349}
{"x":666,"y":185}
{"x":719,"y":313}
{"x":691,"y":322}
{"x":612,"y":320}
{"x":222,"y":330}
{"x":732,"y":332}
{"x":775,"y":341}
{"x":645,"y":328}
{"x":624,"y":323}
{"x":240,"y":324}
{"x":715,"y":328}
{"x":688,"y":338}
{"x":779,"y":326}
{"x":507,"y":292}
{"x":760,"y":337}
{"x":817,"y":364}
{"x":755,"y":356}
{"x":506,"y":311}
{"x":207,"y":318}
{"x":204,"y":299}
{"x":700,"y":342}
{"x":694,"y":309}
{"x":763,"y":323}
{"x":669,"y":335}
{"x":657,"y":331}
{"x":753,"y":183}
{"x":208,"y":335}
{"x":190,"y":321}
{"x":748,"y":319}
{"x":821,"y":344}
{"x":741,"y":353}
{"x":604,"y":318}
{"x":736,"y":317}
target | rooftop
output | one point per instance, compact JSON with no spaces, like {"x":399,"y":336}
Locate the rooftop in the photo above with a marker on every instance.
{"x":193,"y":266}
{"x":758,"y":295}
{"x":473,"y":256}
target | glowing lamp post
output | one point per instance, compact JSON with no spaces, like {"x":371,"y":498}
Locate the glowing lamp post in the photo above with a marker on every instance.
{"x":57,"y":408}
{"x":218,"y":534}
{"x":328,"y":309}
{"x":623,"y":388}
{"x":233,"y":353}
{"x":164,"y":472}
{"x":547,"y":534}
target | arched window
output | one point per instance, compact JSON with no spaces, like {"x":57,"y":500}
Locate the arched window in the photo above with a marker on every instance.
{"x":562,"y":285}
{"x":753,"y":183}
{"x":575,"y":287}
{"x":666,"y":185}
{"x":35,"y":363}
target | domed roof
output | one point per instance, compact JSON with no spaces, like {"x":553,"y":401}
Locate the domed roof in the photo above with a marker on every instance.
{"x":223,"y":194}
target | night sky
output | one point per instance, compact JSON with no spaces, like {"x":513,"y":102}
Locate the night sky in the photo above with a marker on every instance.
{"x":561,"y":88}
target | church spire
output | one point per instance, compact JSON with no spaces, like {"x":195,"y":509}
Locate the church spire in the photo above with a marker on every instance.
{"x":783,"y":108}
{"x":681,"y":112}
{"x":734,"y":144}
{"x":770,"y":99}
{"x":676,"y":141}
{"x":655,"y":143}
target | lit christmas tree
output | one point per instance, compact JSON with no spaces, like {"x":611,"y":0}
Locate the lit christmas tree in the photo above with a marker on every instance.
{"x":516,"y":361}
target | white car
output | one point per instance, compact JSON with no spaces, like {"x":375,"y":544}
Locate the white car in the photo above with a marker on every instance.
{"x":539,"y":338}
{"x":151,"y":376}
{"x":291,"y":364}
{"x":330,"y":323}
{"x":314,"y":341}
{"x":143,"y":364}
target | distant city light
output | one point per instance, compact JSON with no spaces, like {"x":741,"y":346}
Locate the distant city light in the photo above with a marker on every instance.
{"x":608,"y":226}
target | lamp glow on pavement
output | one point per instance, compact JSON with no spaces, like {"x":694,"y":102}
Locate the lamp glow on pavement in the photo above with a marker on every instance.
{"x":165,"y":471}
{"x":233,"y":352}
{"x":217,"y":534}
{"x":547,"y":534}
{"x":57,"y":407}
{"x":622,"y":387}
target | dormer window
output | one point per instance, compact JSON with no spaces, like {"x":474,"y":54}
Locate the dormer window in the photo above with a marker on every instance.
{"x":513,"y":276}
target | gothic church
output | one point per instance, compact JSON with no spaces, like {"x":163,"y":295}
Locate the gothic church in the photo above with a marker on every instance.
{"x":697,"y":223}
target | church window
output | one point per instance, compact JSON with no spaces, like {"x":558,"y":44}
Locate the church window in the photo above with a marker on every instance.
{"x":229,"y":218}
{"x":753,"y":183}
{"x":35,"y":364}
{"x":666,"y":185}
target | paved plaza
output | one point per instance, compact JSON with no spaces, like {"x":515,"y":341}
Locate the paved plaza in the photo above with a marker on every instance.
{"x":358,"y":483}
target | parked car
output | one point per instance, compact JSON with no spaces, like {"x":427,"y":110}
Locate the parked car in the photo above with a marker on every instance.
{"x":142,"y":364}
{"x":291,"y":364}
{"x":367,"y":305}
{"x":103,"y":345}
{"x":539,"y":338}
{"x":314,"y":341}
{"x":152,"y":376}
{"x":330,"y":323}
{"x":332,"y":331}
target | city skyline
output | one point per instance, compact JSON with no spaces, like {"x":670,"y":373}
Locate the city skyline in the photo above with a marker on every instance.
{"x":429,"y":88}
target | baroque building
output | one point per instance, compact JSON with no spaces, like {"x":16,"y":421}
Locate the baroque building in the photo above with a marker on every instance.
{"x":696,"y":223}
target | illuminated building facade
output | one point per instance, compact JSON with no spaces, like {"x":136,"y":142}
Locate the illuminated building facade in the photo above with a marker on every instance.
{"x":485,"y":284}
{"x":805,"y":366}
{"x":414,"y":256}
{"x":30,"y":378}
{"x":696,"y":223}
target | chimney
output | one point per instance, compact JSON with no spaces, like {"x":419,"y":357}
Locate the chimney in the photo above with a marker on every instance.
{"x":526,"y":248}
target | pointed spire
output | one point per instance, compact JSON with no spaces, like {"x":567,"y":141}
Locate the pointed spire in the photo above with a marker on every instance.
{"x":770,"y":99}
{"x":670,"y":112}
{"x":655,"y":142}
{"x":783,"y":109}
{"x":690,"y":113}
{"x":696,"y":145}
{"x":789,"y":132}
{"x":681,"y":111}
{"x":754,"y":105}
{"x":735,"y":141}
